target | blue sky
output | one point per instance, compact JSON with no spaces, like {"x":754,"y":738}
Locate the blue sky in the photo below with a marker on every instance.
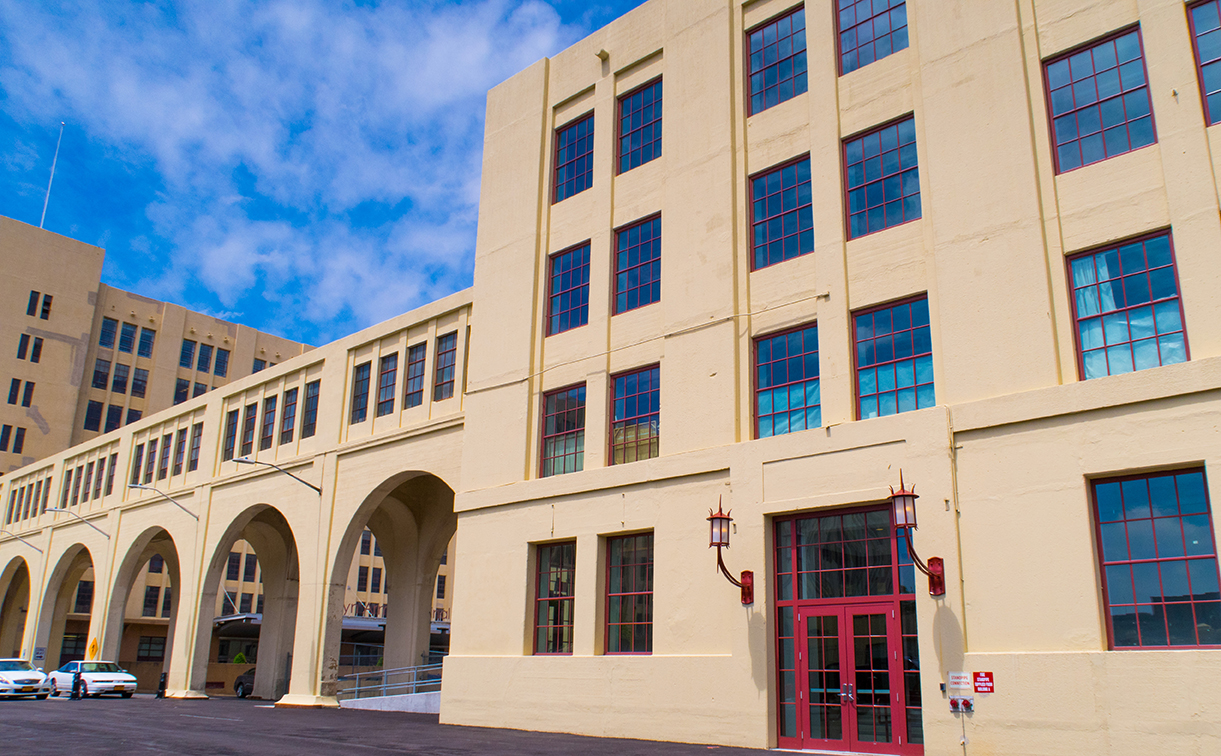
{"x":301,"y":166}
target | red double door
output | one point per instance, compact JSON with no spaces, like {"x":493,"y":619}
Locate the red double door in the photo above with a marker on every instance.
{"x":850,"y":678}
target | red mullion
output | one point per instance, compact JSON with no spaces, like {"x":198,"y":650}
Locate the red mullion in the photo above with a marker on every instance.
{"x":614,"y":282}
{"x":754,"y":373}
{"x":610,"y":408}
{"x":606,"y":620}
{"x":551,"y":278}
{"x":555,"y":150}
{"x":542,"y":448}
{"x":1195,"y":55}
{"x":1089,"y":44}
{"x":1072,"y":296}
{"x":619,"y":123}
{"x":750,"y":191}
{"x":537,"y":580}
{"x":843,"y":158}
{"x":746,"y":49}
{"x":856,"y":385}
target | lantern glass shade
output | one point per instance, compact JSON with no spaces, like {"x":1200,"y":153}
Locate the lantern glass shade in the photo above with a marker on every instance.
{"x":718,"y":530}
{"x":905,"y":509}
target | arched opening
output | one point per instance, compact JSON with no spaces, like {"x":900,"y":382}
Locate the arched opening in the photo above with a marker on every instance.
{"x":143,"y":610}
{"x":411,"y":521}
{"x":65,"y":619}
{"x":14,"y":605}
{"x":248,"y":609}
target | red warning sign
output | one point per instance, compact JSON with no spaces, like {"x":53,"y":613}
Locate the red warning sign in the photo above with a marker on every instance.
{"x":983,"y":682}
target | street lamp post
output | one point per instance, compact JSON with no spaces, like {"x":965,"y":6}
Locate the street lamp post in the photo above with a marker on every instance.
{"x":248,"y":461}
{"x":163,"y":493}
{"x":82,"y":519}
{"x":19,"y":538}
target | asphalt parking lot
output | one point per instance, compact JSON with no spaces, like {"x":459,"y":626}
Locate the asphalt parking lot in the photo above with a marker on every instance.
{"x":223,"y":726}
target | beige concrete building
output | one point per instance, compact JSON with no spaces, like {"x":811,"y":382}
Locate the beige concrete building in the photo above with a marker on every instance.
{"x":972,"y":242}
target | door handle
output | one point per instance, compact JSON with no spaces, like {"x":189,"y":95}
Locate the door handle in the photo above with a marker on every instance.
{"x":846,"y":694}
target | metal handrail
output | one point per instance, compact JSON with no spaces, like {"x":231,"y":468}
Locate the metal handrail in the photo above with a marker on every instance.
{"x":424,"y":678}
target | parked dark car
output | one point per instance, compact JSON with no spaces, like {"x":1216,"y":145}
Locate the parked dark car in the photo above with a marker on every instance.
{"x":244,"y":684}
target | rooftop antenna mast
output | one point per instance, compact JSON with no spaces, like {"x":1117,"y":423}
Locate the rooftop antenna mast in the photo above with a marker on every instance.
{"x":53,"y":161}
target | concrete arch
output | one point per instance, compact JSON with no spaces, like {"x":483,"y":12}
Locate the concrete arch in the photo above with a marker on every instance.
{"x":14,"y":605}
{"x":73,"y":563}
{"x":267,"y":530}
{"x":153,"y":541}
{"x":412,"y":516}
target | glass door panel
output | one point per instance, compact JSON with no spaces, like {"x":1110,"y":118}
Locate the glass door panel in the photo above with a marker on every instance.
{"x":824,"y":677}
{"x":871,"y":674}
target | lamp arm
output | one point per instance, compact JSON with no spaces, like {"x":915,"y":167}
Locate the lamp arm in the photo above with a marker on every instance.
{"x":911,"y":550}
{"x":725,"y":570}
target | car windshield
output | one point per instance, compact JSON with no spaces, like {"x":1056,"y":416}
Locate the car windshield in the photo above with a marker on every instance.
{"x":16,"y":666}
{"x":99,"y":667}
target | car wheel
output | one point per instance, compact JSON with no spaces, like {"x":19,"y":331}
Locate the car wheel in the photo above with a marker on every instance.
{"x":241,"y":690}
{"x":42,"y":696}
{"x":127,"y":694}
{"x":54,"y":690}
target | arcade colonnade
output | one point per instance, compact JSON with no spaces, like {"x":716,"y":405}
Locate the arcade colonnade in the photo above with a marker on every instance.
{"x":331,"y":464}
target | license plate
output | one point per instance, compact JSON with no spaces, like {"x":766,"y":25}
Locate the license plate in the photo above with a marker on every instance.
{"x":28,"y":689}
{"x":118,"y":687}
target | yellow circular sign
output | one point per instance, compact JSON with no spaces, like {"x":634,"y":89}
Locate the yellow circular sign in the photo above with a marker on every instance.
{"x":93,"y":648}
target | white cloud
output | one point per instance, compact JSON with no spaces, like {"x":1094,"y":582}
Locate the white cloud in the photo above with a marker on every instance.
{"x":326,"y":105}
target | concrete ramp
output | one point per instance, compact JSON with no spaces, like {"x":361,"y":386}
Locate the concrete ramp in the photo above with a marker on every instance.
{"x":417,"y":703}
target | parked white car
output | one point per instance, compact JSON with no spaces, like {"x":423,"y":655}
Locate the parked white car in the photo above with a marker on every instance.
{"x":97,"y":677}
{"x":20,"y":678}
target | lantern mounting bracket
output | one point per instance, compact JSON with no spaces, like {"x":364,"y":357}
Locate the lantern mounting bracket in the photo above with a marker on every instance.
{"x":903,"y":502}
{"x":719,"y":522}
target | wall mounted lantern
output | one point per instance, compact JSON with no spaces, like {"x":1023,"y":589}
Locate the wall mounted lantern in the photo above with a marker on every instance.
{"x":904,"y":503}
{"x":718,"y":536}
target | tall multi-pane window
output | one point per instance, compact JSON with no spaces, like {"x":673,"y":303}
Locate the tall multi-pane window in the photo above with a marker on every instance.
{"x":1127,"y":307}
{"x":180,"y":450}
{"x":574,"y":158}
{"x":289,"y":416}
{"x":638,"y":264}
{"x":568,"y":290}
{"x":446,"y":372}
{"x":196,"y":440}
{"x":629,"y":594}
{"x":150,"y":462}
{"x":147,"y":337}
{"x":222,"y":363}
{"x":136,"y":460}
{"x":360,"y":392}
{"x":250,"y":568}
{"x":309,"y":413}
{"x":114,"y":417}
{"x":182,"y":390}
{"x":186,"y":357}
{"x":554,"y":588}
{"x":32,"y":307}
{"x":45,"y":313}
{"x":27,"y":394}
{"x":101,"y":373}
{"x":894,"y":359}
{"x":1159,"y":560}
{"x":413,"y":393}
{"x":1099,"y":100}
{"x":199,"y":390}
{"x":387,"y":376}
{"x":870,"y":30}
{"x":36,"y":350}
{"x":133,"y":415}
{"x":93,"y":416}
{"x":787,"y":391}
{"x":127,"y":337}
{"x":268,"y":433}
{"x":204,"y":363}
{"x":563,"y":431}
{"x":139,"y":382}
{"x":119,"y":383}
{"x":1206,"y":30}
{"x":23,"y":346}
{"x":635,"y":415}
{"x":640,"y":126}
{"x":782,"y":222}
{"x":230,"y":442}
{"x":249,"y":417}
{"x":777,"y":63}
{"x":883,"y":178}
{"x":163,"y":466}
{"x":110,"y":327}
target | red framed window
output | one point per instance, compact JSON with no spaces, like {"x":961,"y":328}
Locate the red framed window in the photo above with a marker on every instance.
{"x":413,"y":395}
{"x":787,"y":391}
{"x":1127,"y":308}
{"x":388,"y":371}
{"x":1206,"y":32}
{"x":777,"y":63}
{"x":870,"y":30}
{"x":192,"y":460}
{"x":446,"y":372}
{"x":360,"y":393}
{"x":1159,"y":560}
{"x":1099,"y":101}
{"x":568,"y":290}
{"x":574,"y":158}
{"x":635,"y":415}
{"x":638,"y":264}
{"x":268,"y":433}
{"x":230,"y":437}
{"x":883,"y":178}
{"x":248,"y":419}
{"x":288,"y":423}
{"x":894,"y":359}
{"x":640,"y":126}
{"x":629,"y":594}
{"x":563,"y":431}
{"x":782,"y":223}
{"x":555,"y":578}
